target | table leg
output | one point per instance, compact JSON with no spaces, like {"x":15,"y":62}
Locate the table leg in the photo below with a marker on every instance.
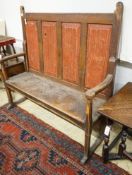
{"x":107,"y":147}
{"x":105,"y":151}
{"x":13,"y":48}
{"x":122,"y":145}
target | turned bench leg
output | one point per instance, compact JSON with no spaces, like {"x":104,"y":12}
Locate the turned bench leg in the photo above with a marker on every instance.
{"x":88,"y":131}
{"x":86,"y":154}
{"x":10,"y":98}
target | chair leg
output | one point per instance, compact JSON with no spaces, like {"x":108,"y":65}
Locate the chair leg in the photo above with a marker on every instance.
{"x":10,"y":98}
{"x":4,"y":51}
{"x":14,"y":51}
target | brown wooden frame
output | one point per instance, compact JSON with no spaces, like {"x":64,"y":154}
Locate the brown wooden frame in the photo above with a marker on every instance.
{"x":113,"y":19}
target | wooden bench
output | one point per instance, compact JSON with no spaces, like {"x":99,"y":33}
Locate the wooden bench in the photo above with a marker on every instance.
{"x":70,"y":65}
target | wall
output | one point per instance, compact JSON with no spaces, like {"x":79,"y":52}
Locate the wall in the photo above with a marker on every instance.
{"x":2,"y":27}
{"x":9,"y":11}
{"x":123,"y":75}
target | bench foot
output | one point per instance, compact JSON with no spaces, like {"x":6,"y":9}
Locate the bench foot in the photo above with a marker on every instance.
{"x":10,"y":106}
{"x":84,"y":159}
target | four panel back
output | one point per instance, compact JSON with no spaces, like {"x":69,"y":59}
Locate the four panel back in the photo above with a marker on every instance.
{"x":73,"y":48}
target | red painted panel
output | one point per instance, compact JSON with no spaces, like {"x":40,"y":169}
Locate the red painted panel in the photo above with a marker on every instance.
{"x":50,"y":48}
{"x":98,"y":43}
{"x":32,"y":45}
{"x":71,"y":51}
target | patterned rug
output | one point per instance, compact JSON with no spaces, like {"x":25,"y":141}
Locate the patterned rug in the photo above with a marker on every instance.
{"x":28,"y":146}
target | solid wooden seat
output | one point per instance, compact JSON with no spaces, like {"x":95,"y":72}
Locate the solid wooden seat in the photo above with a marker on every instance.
{"x":63,"y":98}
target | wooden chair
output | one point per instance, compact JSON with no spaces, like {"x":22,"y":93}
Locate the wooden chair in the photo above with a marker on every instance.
{"x":14,"y":66}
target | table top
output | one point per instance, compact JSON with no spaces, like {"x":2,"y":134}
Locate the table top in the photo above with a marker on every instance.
{"x":119,"y":107}
{"x":5,"y":40}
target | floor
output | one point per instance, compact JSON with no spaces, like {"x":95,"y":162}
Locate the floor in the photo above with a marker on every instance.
{"x":65,"y":127}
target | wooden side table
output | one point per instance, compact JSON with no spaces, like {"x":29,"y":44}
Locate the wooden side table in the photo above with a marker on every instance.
{"x":118,"y":109}
{"x":6,"y":41}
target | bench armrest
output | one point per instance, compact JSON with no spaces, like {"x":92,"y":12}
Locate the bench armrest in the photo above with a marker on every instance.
{"x":91,"y":93}
{"x":6,"y":58}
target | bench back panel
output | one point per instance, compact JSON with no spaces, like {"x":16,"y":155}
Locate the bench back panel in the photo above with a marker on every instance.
{"x":49,"y":48}
{"x":32,"y":45}
{"x":72,"y":48}
{"x":70,"y":52}
{"x":98,"y":53}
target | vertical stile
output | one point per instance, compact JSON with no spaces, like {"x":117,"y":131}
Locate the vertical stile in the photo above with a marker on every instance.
{"x":118,"y":15}
{"x":59,"y":47}
{"x":113,"y":38}
{"x":23,"y":21}
{"x":39,"y":29}
{"x":116,"y":29}
{"x":82,"y":61}
{"x":112,"y":51}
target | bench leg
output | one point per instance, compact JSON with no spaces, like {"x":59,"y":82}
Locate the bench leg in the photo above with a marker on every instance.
{"x":86,"y":154}
{"x":10,"y":98}
{"x":88,"y":130}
